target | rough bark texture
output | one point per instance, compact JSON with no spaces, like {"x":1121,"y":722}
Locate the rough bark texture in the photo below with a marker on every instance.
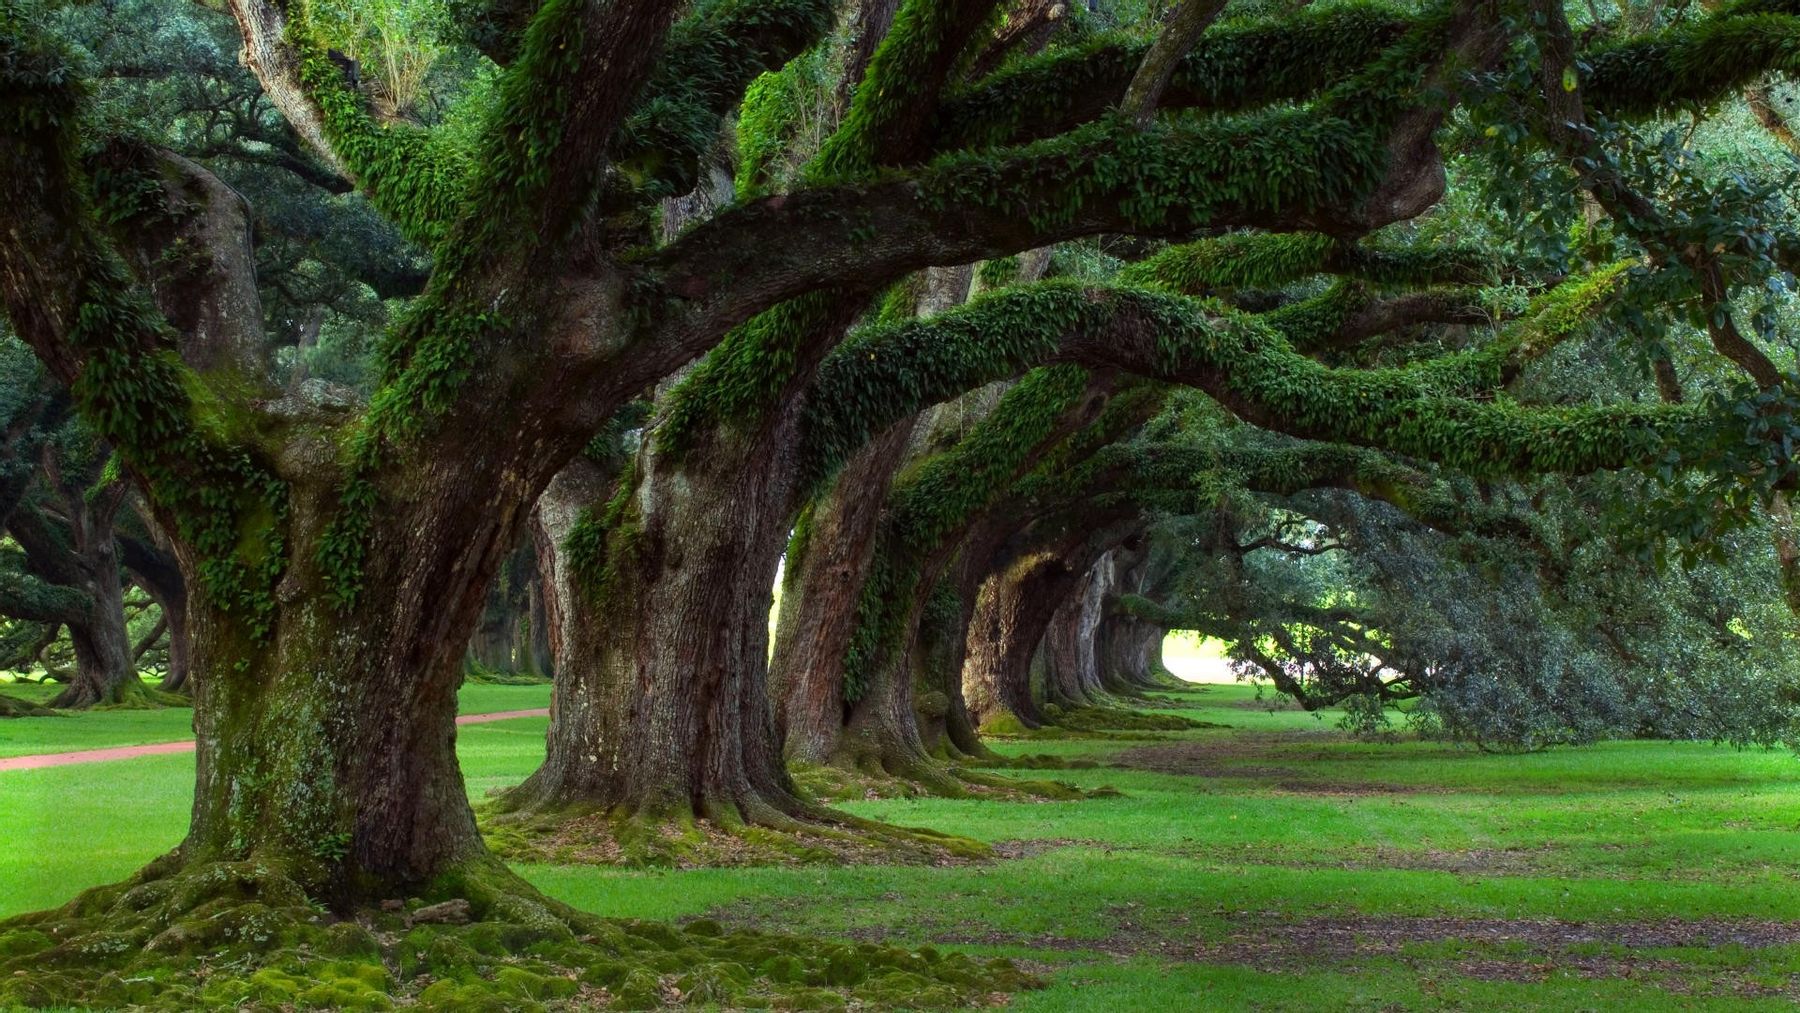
{"x":662,"y":705}
{"x":821,"y":586}
{"x":311,"y":752}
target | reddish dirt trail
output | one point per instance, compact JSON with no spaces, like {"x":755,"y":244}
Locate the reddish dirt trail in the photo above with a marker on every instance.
{"x":164,"y":748}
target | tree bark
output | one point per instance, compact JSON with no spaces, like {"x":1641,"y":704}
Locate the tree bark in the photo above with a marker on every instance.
{"x":823,"y":594}
{"x":662,"y":706}
{"x":821,"y":586}
{"x":537,"y":644}
{"x":327,"y":746}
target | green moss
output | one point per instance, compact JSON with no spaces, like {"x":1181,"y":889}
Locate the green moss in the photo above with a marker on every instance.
{"x":1694,"y":64}
{"x":1235,"y":66}
{"x":1271,"y":260}
{"x":1096,"y":719}
{"x":126,"y":945}
{"x":709,"y":60}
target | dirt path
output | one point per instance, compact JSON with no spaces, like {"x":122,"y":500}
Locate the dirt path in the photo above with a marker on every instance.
{"x":41,"y":760}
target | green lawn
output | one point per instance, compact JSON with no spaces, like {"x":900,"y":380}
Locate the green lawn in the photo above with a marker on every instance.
{"x":1272,"y":865}
{"x":106,"y":728}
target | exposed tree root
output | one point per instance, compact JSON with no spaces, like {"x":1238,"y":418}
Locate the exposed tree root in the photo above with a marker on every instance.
{"x":244,"y":936}
{"x":1085,"y":722}
{"x":133,"y":695}
{"x":591,"y":835}
{"x":1114,"y":719}
{"x":13,"y":707}
{"x":835,"y":783}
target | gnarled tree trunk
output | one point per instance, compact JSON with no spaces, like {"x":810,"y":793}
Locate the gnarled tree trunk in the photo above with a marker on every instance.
{"x":327,"y":746}
{"x":662,"y":706}
{"x":821,"y":586}
{"x":81,"y":553}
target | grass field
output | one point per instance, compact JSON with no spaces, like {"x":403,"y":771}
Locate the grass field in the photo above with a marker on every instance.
{"x":104,"y":728}
{"x":1272,"y":864}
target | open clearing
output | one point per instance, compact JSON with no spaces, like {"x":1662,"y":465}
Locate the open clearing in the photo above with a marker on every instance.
{"x":1273,"y":863}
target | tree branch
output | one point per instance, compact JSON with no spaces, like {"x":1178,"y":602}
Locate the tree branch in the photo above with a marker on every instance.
{"x":1423,"y":410}
{"x":1176,"y":39}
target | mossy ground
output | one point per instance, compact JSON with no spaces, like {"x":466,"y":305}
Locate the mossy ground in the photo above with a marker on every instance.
{"x":1119,"y":719}
{"x":35,"y":699}
{"x":242,"y":936}
{"x":1111,"y":722}
{"x":14,"y":707}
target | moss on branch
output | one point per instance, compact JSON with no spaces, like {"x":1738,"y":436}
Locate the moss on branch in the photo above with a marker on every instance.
{"x":1695,"y":64}
{"x":1270,"y":260}
{"x":1233,"y":68}
{"x":1429,"y":409}
{"x":711,"y":58}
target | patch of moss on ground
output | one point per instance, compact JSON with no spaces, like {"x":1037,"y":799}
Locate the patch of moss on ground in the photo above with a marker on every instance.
{"x":1093,"y":722}
{"x":243,"y":936}
{"x":1118,"y":719}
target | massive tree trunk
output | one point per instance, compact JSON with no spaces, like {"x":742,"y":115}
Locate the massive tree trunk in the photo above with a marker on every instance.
{"x":327,"y":746}
{"x":662,"y":706}
{"x":821,"y":585}
{"x":936,"y":653}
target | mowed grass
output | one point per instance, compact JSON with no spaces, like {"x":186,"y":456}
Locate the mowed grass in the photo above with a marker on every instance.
{"x":103,"y":729}
{"x":1272,"y":864}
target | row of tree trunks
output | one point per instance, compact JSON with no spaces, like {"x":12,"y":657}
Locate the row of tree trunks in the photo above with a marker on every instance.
{"x":873,"y":730}
{"x":1028,"y":582}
